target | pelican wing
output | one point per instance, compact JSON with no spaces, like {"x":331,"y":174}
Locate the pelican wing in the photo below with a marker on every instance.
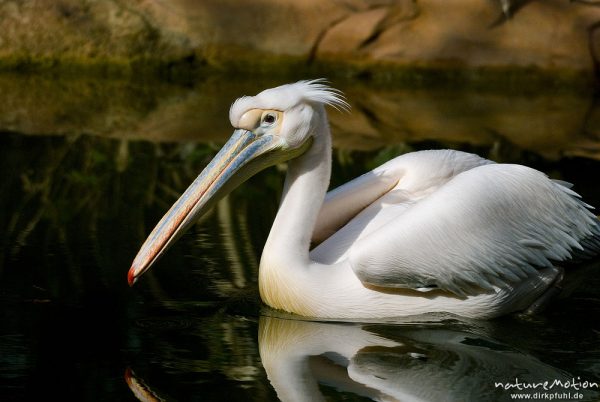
{"x":485,"y":227}
{"x":346,"y":201}
{"x":361,"y":205}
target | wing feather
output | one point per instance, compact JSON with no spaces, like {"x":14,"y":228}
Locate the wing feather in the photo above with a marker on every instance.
{"x":361,"y":206}
{"x":486,"y":227}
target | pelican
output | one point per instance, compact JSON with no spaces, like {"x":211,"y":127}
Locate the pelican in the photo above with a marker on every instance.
{"x":428,"y":231}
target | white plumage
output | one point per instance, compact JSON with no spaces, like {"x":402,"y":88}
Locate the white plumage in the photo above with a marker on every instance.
{"x":427,"y":231}
{"x":470,"y":228}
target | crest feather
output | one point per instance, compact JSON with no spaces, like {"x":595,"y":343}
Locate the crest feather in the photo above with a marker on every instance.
{"x":318,"y":91}
{"x":287,"y":96}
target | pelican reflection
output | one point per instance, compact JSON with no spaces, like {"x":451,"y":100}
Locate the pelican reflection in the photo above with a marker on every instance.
{"x":393,"y":362}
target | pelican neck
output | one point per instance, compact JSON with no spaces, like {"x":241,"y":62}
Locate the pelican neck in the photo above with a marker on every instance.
{"x":303,"y":193}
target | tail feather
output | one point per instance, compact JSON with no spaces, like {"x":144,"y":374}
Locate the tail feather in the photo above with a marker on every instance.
{"x":590,"y":244}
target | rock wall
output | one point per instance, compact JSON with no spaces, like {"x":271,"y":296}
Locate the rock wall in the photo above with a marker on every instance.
{"x":551,"y":34}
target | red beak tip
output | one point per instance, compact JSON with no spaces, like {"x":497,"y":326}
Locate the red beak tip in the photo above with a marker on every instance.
{"x":128,"y":374}
{"x":131,"y":279}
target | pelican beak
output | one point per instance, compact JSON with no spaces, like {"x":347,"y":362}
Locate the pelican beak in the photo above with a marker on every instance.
{"x":245,"y":154}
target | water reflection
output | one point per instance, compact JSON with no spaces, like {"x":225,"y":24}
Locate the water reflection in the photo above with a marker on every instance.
{"x":549,"y":123}
{"x":139,"y":388}
{"x":429,"y":358}
{"x":394,"y":363}
{"x":202,"y":355}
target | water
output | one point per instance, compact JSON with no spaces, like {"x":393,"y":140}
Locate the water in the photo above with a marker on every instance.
{"x":89,"y":166}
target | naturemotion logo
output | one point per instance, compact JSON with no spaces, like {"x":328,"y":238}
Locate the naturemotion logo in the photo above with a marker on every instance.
{"x":555,"y":389}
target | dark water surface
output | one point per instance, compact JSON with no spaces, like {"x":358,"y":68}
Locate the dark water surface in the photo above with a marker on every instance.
{"x":88,"y":167}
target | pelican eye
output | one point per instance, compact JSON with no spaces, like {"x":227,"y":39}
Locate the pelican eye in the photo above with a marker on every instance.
{"x":269,"y":119}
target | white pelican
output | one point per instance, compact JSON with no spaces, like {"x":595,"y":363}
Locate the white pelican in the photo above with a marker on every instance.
{"x":430,"y":231}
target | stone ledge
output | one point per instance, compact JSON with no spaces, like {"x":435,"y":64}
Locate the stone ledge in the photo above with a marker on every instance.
{"x":554,"y":35}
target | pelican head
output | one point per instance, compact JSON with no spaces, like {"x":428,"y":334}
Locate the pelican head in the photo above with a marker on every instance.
{"x":272,"y":127}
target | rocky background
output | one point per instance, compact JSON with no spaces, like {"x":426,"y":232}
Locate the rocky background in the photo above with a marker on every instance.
{"x":555,"y":39}
{"x":554,"y":35}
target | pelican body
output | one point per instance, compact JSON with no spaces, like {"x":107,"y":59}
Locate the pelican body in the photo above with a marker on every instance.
{"x":428,"y":231}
